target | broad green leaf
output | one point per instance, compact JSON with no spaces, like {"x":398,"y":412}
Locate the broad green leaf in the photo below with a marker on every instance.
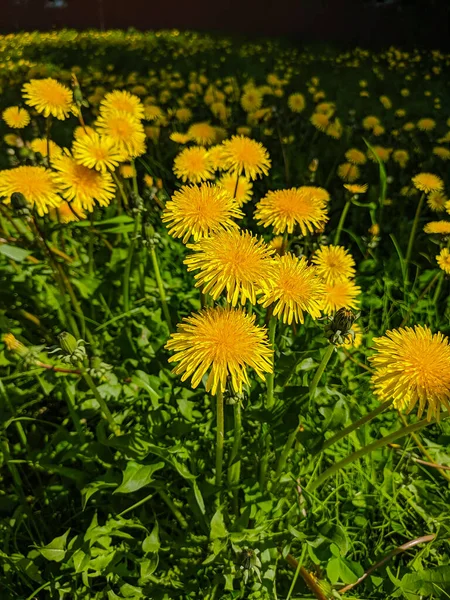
{"x":13,"y":252}
{"x":137,"y":476}
{"x":151,"y":542}
{"x":199,"y":497}
{"x":56,"y":549}
{"x":218,"y":529}
{"x":427,"y":582}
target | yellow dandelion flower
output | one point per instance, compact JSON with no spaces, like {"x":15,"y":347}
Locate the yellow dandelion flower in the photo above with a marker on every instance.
{"x":123,"y":102}
{"x":152,"y":132}
{"x":437,"y":227}
{"x":277,"y":243}
{"x":179,"y":138}
{"x":39,"y":146}
{"x":127,"y":171}
{"x":82,"y":185}
{"x":125,"y":130}
{"x":216,"y":155}
{"x":97,"y":152}
{"x":409,"y":126}
{"x":370,"y":122}
{"x":193,"y":165}
{"x":296,"y":103}
{"x":335,"y":129}
{"x":251,"y":100}
{"x":294,"y":288}
{"x":247,"y":156}
{"x":232,"y":261}
{"x":339,"y":295}
{"x":401,"y":157}
{"x":200,"y":211}
{"x":400,"y":112}
{"x":348,"y":172}
{"x":334,"y":263}
{"x":183,"y":114}
{"x":320,"y":121}
{"x":242,"y":193}
{"x":13,"y":140}
{"x":326,"y":108}
{"x":203,"y":134}
{"x":355,"y":156}
{"x":148,"y":180}
{"x":37,"y":184}
{"x":413,"y":365}
{"x":443,"y":259}
{"x":378,"y":130}
{"x":427,"y":182}
{"x":356,"y":341}
{"x":318,"y":194}
{"x":426,"y":124}
{"x":386,"y":102}
{"x":441,"y":152}
{"x":223,"y":341}
{"x":153,"y":113}
{"x":284,"y":209}
{"x":67,"y":213}
{"x":14,"y":345}
{"x":374,"y":230}
{"x":48,"y":97}
{"x":243,"y":130}
{"x":80,"y":132}
{"x":16,"y":117}
{"x":437,"y":201}
{"x":355,"y":188}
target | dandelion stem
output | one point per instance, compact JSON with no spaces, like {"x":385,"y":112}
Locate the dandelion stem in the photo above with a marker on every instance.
{"x":129,"y":263}
{"x":234,"y":470}
{"x":335,"y":467}
{"x":103,"y":406}
{"x":160,"y":284}
{"x":271,"y":376}
{"x":412,"y":238}
{"x":320,"y":369}
{"x":284,"y":454}
{"x":344,"y":212}
{"x":220,"y":434}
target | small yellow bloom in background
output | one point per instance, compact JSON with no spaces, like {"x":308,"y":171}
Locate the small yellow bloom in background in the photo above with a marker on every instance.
{"x":427,"y":182}
{"x":326,"y":108}
{"x":370,"y":122}
{"x":277,"y":243}
{"x":82,"y":185}
{"x":153,"y":113}
{"x":286,"y":209}
{"x":39,"y":145}
{"x":339,"y":295}
{"x":441,"y":152}
{"x":356,"y":188}
{"x":67,"y":213}
{"x":438,"y":228}
{"x":296,"y":102}
{"x":101,"y":153}
{"x":386,"y":102}
{"x":443,"y":259}
{"x":334,"y":263}
{"x":400,"y":112}
{"x":243,"y":155}
{"x":200,"y":211}
{"x":413,"y":365}
{"x":179,"y":138}
{"x":251,"y":100}
{"x":127,"y":171}
{"x":80,"y":132}
{"x":242,"y":193}
{"x":374,"y":230}
{"x":203,"y":134}
{"x":320,"y":121}
{"x":152,"y":132}
{"x":39,"y":186}
{"x":409,"y":126}
{"x":193,"y":165}
{"x":381,"y":152}
{"x":426,"y":124}
{"x":183,"y":114}
{"x":348,"y":172}
{"x":355,"y":156}
{"x":16,"y":117}
{"x":401,"y":157}
{"x":123,"y":102}
{"x":234,"y":262}
{"x":223,"y":341}
{"x":437,"y":201}
{"x":48,"y":97}
{"x":294,"y":288}
{"x":148,"y":180}
{"x":405,"y":92}
{"x":13,"y":140}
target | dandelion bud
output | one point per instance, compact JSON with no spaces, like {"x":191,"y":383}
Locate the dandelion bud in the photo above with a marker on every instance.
{"x":13,"y":345}
{"x":313,"y":165}
{"x":19,"y":204}
{"x":67,"y":342}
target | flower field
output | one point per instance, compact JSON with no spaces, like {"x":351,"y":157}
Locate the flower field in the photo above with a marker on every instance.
{"x":225,"y":371}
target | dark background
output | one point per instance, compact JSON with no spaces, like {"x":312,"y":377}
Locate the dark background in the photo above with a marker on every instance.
{"x":370,"y":23}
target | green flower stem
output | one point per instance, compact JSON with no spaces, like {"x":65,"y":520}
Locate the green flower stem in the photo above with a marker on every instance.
{"x":18,"y":424}
{"x":121,"y":189}
{"x":91,"y":245}
{"x":220,"y":435}
{"x":103,"y":406}
{"x":73,"y":411}
{"x":337,"y":235}
{"x":129,"y":263}
{"x":176,"y":512}
{"x":159,"y":282}
{"x":384,"y":441}
{"x":234,"y":470}
{"x":270,"y":377}
{"x":264,"y":464}
{"x":320,"y":369}
{"x":353,"y":426}
{"x":284,"y":454}
{"x":437,"y":292}
{"x":412,"y":236}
